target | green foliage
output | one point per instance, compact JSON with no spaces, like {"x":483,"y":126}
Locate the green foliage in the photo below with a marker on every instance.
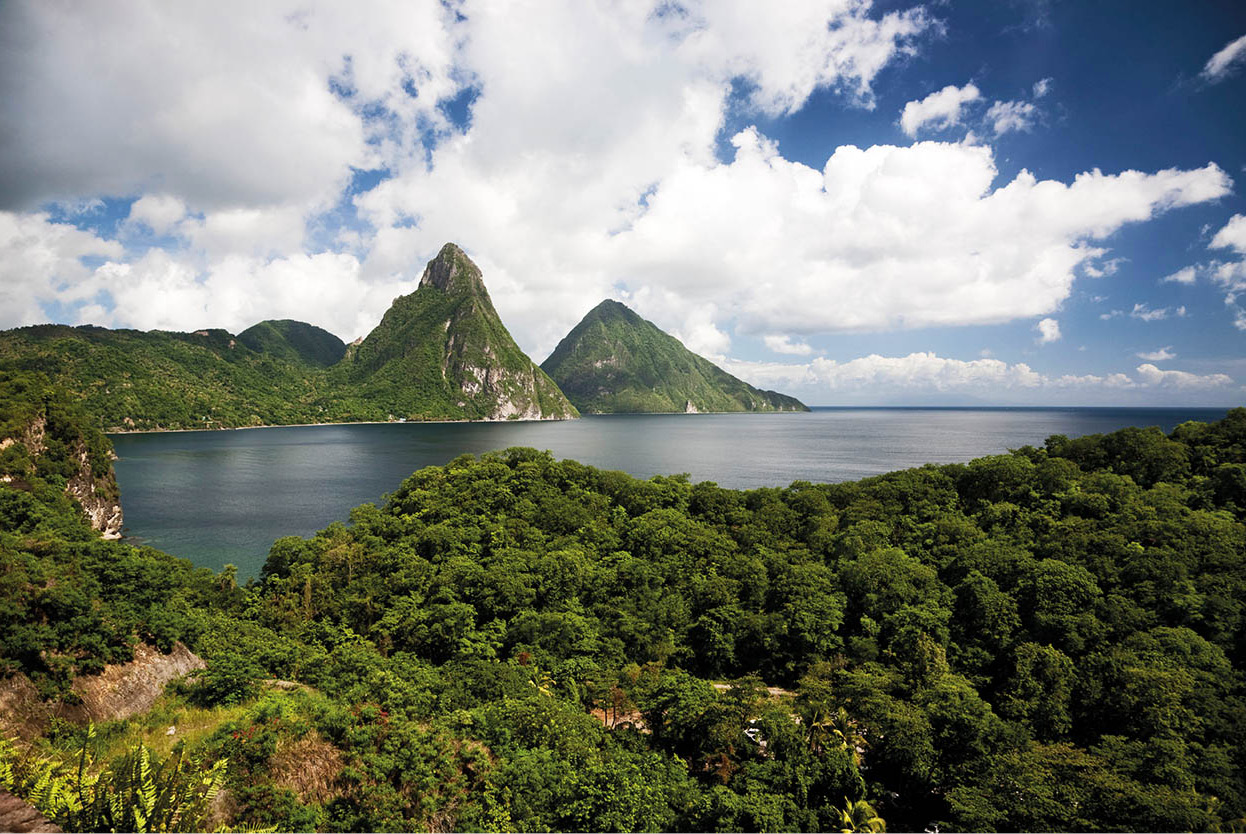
{"x":614,"y":361}
{"x":71,"y":602}
{"x":1046,"y":640}
{"x":294,"y":341}
{"x":136,"y":792}
{"x":231,"y":679}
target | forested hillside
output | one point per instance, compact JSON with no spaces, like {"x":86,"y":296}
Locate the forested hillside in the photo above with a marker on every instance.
{"x":615,"y":362}
{"x":1051,"y":639}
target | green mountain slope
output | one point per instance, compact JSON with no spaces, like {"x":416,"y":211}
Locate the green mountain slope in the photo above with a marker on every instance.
{"x":614,"y":361}
{"x":134,"y":380}
{"x":294,"y":341}
{"x":442,"y":352}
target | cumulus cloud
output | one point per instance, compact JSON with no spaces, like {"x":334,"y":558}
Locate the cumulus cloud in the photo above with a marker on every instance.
{"x":1182,"y":380}
{"x":41,"y":260}
{"x":784,"y":344}
{"x":1161,"y":355}
{"x":1005,"y":116}
{"x":1143,"y":312}
{"x":941,"y":109}
{"x":1232,"y":275}
{"x":1232,"y":235}
{"x":1225,"y":62}
{"x":1048,"y":331}
{"x":237,"y":291}
{"x":135,"y":97}
{"x":930,"y":373}
{"x":158,"y":212}
{"x":1042,"y":87}
{"x":885,"y":237}
{"x":1107,"y":267}
{"x":1185,"y":275}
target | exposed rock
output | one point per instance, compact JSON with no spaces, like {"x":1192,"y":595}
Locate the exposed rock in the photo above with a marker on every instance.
{"x":97,"y":496}
{"x":99,"y":501}
{"x":22,"y":713}
{"x":127,"y":689}
{"x":19,"y":816}
{"x":120,"y":691}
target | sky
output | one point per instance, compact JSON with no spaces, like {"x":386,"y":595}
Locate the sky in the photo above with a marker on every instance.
{"x":1004,"y":202}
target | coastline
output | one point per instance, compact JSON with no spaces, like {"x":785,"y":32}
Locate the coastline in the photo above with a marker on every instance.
{"x":437,"y":422}
{"x":337,"y":423}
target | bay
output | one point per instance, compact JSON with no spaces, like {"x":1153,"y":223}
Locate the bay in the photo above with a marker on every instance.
{"x":223,"y":497}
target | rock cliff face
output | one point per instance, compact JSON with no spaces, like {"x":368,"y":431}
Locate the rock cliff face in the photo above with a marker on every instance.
{"x":96,"y":493}
{"x":97,"y":496}
{"x":442,"y":352}
{"x":120,"y":691}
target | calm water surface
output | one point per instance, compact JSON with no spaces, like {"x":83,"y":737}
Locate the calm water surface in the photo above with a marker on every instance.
{"x":223,"y":497}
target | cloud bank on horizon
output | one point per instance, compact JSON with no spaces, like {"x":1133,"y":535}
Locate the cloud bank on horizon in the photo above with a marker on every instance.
{"x":822,"y":196}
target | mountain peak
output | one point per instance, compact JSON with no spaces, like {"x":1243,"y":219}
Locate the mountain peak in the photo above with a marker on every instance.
{"x":616,"y":361}
{"x":451,"y":270}
{"x":610,"y":309}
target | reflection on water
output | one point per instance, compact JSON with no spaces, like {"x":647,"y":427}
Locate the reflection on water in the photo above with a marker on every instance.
{"x":221,"y":497}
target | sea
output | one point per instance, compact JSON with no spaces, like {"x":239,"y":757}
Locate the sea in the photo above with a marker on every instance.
{"x":223,"y":497}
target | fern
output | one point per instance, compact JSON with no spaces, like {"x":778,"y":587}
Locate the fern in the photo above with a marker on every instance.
{"x":134,"y":793}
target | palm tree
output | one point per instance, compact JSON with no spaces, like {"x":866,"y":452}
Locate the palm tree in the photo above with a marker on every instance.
{"x":860,"y":816}
{"x":840,"y":729}
{"x":848,"y":733}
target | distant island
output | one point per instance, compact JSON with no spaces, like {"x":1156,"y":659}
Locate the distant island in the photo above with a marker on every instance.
{"x":439,"y":353}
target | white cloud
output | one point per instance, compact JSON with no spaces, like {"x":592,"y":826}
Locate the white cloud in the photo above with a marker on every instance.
{"x":1225,"y":62}
{"x":1161,"y":355}
{"x":1048,"y":331}
{"x":1232,"y":275}
{"x":1182,"y":380}
{"x":237,"y":291}
{"x":885,"y":237}
{"x":1146,"y":313}
{"x":784,"y":344}
{"x":1232,"y":235}
{"x":1108,"y":267}
{"x":40,"y":261}
{"x":925,"y":372}
{"x":1005,"y":116}
{"x":158,"y":212}
{"x":220,"y":104}
{"x":941,"y":109}
{"x":1042,"y":87}
{"x":1185,"y":275}
{"x":790,"y":49}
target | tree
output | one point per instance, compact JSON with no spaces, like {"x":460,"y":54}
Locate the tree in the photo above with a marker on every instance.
{"x":860,"y":816}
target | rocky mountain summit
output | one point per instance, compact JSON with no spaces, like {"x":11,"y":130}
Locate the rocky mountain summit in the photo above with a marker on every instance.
{"x":442,"y":352}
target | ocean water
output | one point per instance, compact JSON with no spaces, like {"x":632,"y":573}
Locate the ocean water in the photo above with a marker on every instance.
{"x":225,"y":496}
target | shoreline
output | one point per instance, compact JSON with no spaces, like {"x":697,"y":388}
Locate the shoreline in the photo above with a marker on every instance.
{"x":338,"y":423}
{"x":442,"y":422}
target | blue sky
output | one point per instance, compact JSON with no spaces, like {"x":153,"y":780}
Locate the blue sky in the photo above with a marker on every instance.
{"x":894,"y":202}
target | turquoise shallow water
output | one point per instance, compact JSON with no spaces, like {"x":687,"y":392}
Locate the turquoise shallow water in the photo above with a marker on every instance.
{"x":223,"y":497}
